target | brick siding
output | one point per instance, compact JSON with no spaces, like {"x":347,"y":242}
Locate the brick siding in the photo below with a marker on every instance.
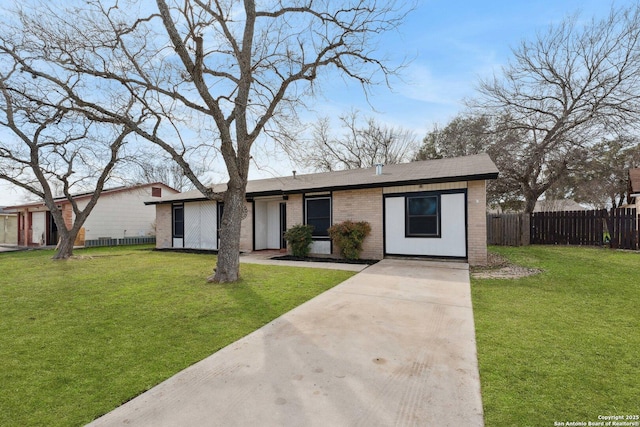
{"x":163,"y":226}
{"x":361,"y":205}
{"x":294,"y":210}
{"x":477,"y":222}
{"x":356,"y":205}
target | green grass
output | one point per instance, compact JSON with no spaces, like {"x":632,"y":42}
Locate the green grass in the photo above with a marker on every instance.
{"x":82,"y":336}
{"x":563,"y":345}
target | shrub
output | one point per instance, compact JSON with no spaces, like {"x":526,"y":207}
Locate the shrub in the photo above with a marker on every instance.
{"x":299,"y":238}
{"x":349,"y":236}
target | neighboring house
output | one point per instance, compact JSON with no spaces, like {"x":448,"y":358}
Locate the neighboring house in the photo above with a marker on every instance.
{"x":634,"y":191}
{"x":120,"y":212}
{"x":634,"y":188}
{"x":558,"y":205}
{"x":8,"y":227}
{"x":434,"y":208}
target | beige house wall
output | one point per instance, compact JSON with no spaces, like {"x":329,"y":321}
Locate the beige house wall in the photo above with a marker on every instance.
{"x":368,"y":205}
{"x":477,"y":222}
{"x":361,"y":205}
{"x":163,"y":226}
{"x":9,"y":229}
{"x":294,"y":210}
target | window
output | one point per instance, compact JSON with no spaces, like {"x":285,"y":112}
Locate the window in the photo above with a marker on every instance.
{"x":318,"y":214}
{"x":422,"y":216}
{"x":156,"y":192}
{"x":178,"y":221}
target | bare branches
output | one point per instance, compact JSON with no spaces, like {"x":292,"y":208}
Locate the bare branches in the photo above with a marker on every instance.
{"x":196,"y":72}
{"x":572,"y":86}
{"x":363,"y":144}
{"x":49,"y":147}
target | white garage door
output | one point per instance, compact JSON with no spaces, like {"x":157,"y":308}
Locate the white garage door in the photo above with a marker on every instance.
{"x":426,"y":224}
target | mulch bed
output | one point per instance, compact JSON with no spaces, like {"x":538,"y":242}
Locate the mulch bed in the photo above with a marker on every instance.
{"x":499,"y":267}
{"x":323,"y":259}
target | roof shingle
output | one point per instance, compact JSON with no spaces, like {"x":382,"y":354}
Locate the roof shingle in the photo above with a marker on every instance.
{"x":468,"y":168}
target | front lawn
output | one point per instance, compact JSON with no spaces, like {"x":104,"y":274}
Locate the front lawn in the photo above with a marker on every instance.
{"x":562,"y":346}
{"x":80,"y":337}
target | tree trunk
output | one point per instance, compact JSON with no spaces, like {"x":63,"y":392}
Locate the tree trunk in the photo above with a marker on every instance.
{"x":531,"y":196}
{"x":64,"y":249}
{"x":228,"y":266}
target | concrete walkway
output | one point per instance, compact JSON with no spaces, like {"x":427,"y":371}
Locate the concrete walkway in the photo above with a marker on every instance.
{"x":392,"y":346}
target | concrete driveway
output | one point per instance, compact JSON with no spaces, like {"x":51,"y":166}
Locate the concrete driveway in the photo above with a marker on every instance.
{"x":392,"y":346}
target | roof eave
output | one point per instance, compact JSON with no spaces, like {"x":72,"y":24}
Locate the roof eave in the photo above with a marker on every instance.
{"x":163,"y":202}
{"x":280,"y":192}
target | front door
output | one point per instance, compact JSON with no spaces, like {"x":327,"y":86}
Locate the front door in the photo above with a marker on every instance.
{"x":283,"y":225}
{"x":52,"y":230}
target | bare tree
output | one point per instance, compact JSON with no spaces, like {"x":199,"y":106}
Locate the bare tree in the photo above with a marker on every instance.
{"x":163,"y":170}
{"x":361,"y":145}
{"x":570,"y":87}
{"x":49,"y":150}
{"x":602,"y":180}
{"x":210,"y":72}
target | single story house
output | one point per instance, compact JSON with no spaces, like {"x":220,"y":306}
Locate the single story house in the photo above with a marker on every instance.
{"x":120,"y":212}
{"x":8,"y":227}
{"x":433,"y":208}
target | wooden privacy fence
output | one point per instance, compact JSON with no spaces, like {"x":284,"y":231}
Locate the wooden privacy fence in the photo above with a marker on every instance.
{"x":617,"y":228}
{"x":569,"y":228}
{"x":508,"y":229}
{"x":623,"y":229}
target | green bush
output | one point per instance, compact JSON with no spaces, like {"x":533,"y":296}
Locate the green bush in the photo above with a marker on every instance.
{"x":299,"y":239}
{"x":349,"y":236}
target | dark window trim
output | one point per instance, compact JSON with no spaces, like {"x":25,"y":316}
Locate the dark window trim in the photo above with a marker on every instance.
{"x":438,"y":215}
{"x":173,"y":220}
{"x":219,"y":213}
{"x":283,"y":224}
{"x":304,"y":213}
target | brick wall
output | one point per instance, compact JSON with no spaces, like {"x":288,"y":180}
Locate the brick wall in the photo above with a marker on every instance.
{"x":67,"y":215}
{"x":163,"y":226}
{"x":477,"y":222}
{"x":362,"y":205}
{"x":294,"y":210}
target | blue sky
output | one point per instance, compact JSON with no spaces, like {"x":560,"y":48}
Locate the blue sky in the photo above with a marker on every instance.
{"x":452,"y":44}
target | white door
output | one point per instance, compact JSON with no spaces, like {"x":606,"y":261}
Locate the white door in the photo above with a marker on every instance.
{"x":267,"y":224}
{"x":39,"y":228}
{"x":200,"y":225}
